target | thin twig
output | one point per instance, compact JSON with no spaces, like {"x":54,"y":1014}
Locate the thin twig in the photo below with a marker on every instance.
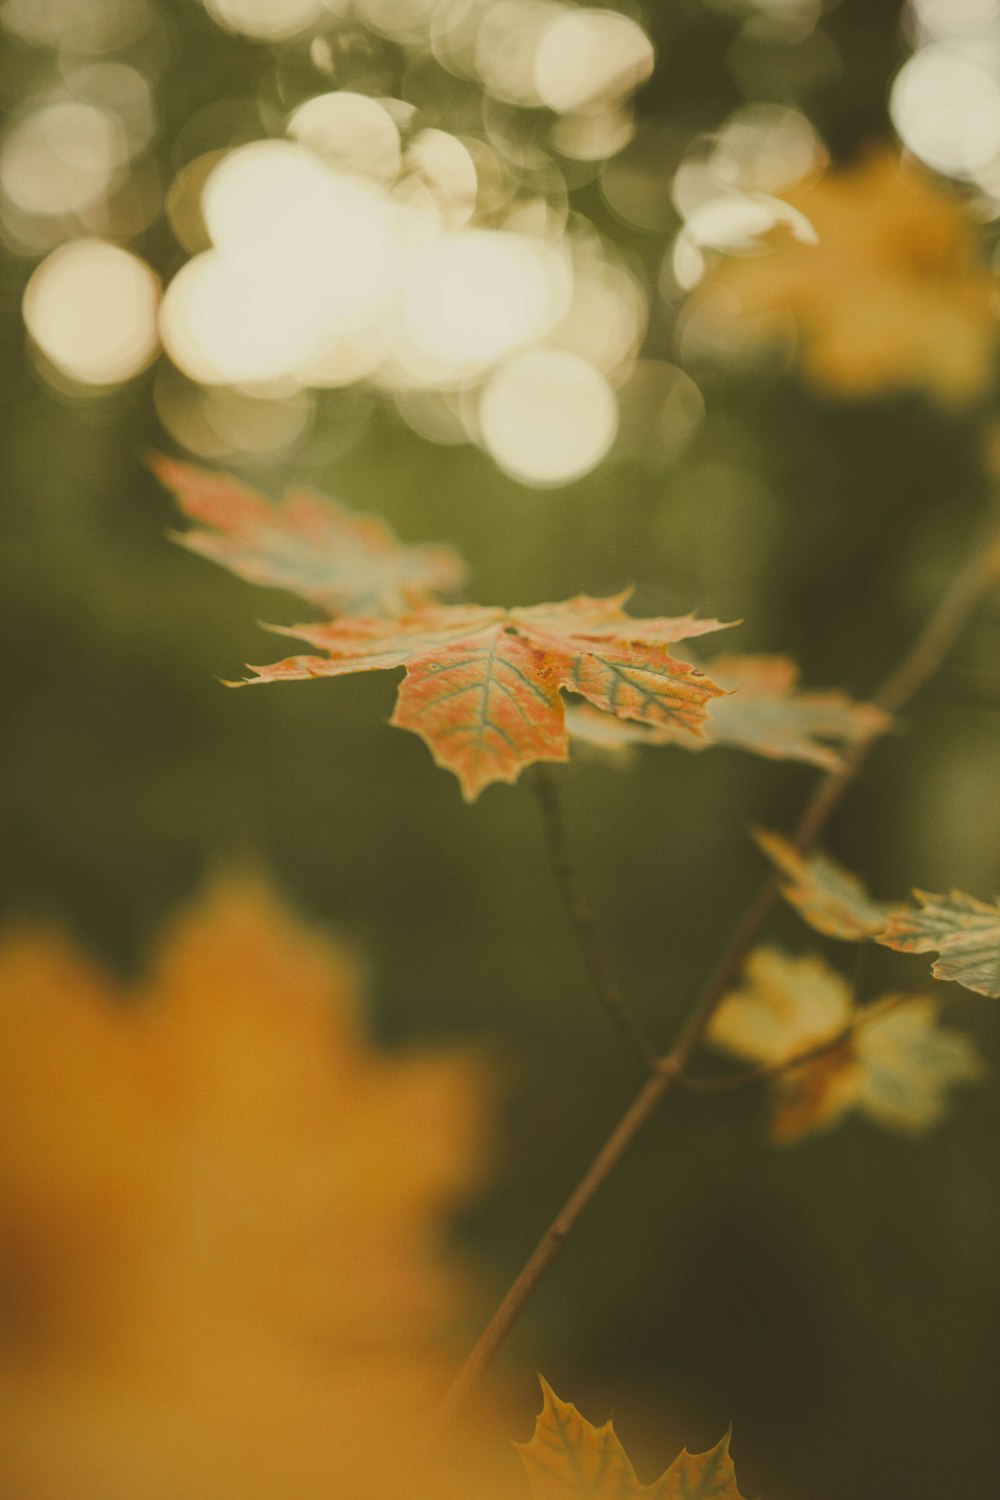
{"x":580,"y":915}
{"x":925,"y":655}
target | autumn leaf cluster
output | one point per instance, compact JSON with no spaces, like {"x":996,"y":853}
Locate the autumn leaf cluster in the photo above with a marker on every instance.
{"x":484,"y":686}
{"x":799,"y":1021}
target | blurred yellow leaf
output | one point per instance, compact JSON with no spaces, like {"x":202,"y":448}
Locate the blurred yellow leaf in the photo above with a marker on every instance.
{"x":892,"y":297}
{"x":890,"y":1060}
{"x":221,"y":1218}
{"x":568,"y":1458}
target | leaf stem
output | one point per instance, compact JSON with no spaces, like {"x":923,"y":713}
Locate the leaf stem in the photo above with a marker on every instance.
{"x":725,"y":1082}
{"x":937,"y":636}
{"x":581,"y":917}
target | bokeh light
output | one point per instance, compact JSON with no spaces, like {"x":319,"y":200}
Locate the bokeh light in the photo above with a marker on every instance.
{"x":725,"y":189}
{"x":91,"y":310}
{"x":946,"y":107}
{"x":473,"y":297}
{"x":220,"y":421}
{"x":61,"y":158}
{"x":547,"y":417}
{"x":269,"y":20}
{"x":351,"y":131}
{"x":508,"y":38}
{"x":365,"y":249}
{"x":945,"y":99}
{"x":90,"y":29}
{"x":303,"y":256}
{"x":382,"y":243}
{"x":587,"y":60}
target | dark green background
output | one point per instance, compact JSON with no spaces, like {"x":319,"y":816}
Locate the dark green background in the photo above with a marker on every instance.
{"x":837,"y":1301}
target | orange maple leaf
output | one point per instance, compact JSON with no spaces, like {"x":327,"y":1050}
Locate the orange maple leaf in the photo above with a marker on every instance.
{"x":221,"y":1220}
{"x":483,"y":685}
{"x":568,"y":1458}
{"x":762,"y":710}
{"x":345,"y":561}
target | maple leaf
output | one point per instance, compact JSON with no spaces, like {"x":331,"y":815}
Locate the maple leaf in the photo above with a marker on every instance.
{"x":221,"y":1222}
{"x":568,"y":1458}
{"x":963,"y":930}
{"x":892,"y":296}
{"x":345,"y":561}
{"x":483,"y":686}
{"x":761,"y":711}
{"x":889,"y":1060}
{"x":828,"y":897}
{"x":766,"y":713}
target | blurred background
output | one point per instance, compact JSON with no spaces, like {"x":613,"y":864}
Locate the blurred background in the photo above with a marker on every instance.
{"x":542,"y":280}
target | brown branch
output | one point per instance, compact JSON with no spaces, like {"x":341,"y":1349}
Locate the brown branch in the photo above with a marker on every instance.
{"x":919,"y":664}
{"x":575,"y":902}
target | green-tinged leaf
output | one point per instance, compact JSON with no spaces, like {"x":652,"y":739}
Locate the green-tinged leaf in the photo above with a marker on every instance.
{"x":764,"y":712}
{"x":908,"y":1062}
{"x":964,"y":931}
{"x":587,"y":725}
{"x":828,"y":897}
{"x":344,"y":560}
{"x":761,"y":712}
{"x":483,"y":685}
{"x":890,"y":1061}
{"x":568,"y":1458}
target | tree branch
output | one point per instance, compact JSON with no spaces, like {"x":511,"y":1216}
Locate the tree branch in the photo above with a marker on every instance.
{"x":580,"y":915}
{"x":938,"y":635}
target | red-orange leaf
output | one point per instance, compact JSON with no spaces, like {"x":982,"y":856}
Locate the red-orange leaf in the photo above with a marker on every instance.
{"x":568,"y":1458}
{"x":487,"y":706}
{"x":343,"y":560}
{"x":762,"y":711}
{"x":483,"y":684}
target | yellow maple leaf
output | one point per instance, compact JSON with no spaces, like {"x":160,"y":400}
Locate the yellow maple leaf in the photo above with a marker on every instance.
{"x":221,"y":1213}
{"x":568,"y":1458}
{"x":889,"y":1061}
{"x":892,"y":296}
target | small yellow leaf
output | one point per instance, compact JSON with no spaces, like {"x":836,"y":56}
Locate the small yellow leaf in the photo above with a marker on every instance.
{"x":784,"y":1006}
{"x":568,"y":1458}
{"x":828,"y":897}
{"x":894,"y":1067}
